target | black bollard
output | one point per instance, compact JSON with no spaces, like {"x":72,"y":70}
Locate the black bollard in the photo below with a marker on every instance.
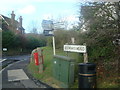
{"x":87,"y":75}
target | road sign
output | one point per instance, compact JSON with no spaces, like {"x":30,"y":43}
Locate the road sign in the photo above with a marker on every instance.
{"x":48,"y":33}
{"x":75,"y":48}
{"x":47,"y":24}
{"x":4,"y":49}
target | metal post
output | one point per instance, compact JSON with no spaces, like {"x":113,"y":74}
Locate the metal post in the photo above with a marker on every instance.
{"x":85,"y":55}
{"x":85,"y":58}
{"x":53,"y":45}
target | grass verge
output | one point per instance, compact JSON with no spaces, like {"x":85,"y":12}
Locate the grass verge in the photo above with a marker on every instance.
{"x":46,"y":76}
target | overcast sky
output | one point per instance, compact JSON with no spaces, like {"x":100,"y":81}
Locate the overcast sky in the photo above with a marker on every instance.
{"x":34,"y":11}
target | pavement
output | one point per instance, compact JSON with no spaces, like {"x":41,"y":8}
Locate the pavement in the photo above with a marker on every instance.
{"x":16,"y":76}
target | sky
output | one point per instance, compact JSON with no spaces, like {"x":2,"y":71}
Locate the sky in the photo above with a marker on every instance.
{"x":34,"y":11}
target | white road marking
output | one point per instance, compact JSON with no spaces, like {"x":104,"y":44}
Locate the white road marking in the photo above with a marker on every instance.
{"x":16,"y":75}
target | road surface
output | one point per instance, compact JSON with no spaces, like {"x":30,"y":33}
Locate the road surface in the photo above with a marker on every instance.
{"x":18,"y":57}
{"x":16,"y":75}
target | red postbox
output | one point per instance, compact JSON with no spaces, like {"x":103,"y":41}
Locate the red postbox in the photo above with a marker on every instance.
{"x":36,"y":58}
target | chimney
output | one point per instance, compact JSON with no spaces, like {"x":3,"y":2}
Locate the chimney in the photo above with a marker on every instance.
{"x":12,"y":16}
{"x":20,"y":21}
{"x":13,"y":21}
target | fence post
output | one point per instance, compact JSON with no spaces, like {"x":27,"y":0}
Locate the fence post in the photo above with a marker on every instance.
{"x":40,"y":60}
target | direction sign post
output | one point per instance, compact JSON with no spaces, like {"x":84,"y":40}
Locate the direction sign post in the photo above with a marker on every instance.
{"x":53,"y":45}
{"x":47,"y":25}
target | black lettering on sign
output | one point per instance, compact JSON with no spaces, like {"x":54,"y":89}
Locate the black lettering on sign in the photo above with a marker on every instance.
{"x":80,"y":48}
{"x":75,"y":48}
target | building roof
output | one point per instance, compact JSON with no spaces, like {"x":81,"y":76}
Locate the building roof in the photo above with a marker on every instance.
{"x":7,"y":21}
{"x":3,"y":18}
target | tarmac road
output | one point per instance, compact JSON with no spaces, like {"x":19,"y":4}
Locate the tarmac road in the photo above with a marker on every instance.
{"x":17,"y":57}
{"x":16,"y":76}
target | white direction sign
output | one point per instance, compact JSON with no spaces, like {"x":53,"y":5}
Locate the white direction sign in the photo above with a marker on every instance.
{"x":47,"y":25}
{"x":75,"y":48}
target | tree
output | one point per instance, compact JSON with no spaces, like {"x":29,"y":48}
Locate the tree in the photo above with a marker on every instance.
{"x":34,"y":27}
{"x":8,"y":39}
{"x":35,"y":40}
{"x":64,"y":36}
{"x":99,"y":15}
{"x":12,"y":40}
{"x":32,"y":43}
{"x":34,"y":30}
{"x":99,"y":18}
{"x":61,"y":23}
{"x":101,"y":24}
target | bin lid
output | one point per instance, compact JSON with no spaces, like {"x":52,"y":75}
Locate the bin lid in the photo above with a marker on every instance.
{"x":86,"y":64}
{"x":64,"y":58}
{"x":87,"y":68}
